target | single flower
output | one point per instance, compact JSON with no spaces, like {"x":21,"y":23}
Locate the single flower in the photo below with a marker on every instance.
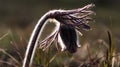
{"x":68,"y":23}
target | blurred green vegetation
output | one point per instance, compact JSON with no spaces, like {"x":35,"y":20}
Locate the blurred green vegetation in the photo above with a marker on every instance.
{"x":18,"y":18}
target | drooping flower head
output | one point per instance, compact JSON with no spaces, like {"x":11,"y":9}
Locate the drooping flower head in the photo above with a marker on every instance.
{"x":69,"y":23}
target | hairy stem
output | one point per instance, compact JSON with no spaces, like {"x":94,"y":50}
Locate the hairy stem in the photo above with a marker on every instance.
{"x":33,"y":42}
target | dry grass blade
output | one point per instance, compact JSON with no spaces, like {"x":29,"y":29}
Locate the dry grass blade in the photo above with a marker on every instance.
{"x":52,"y":58}
{"x":111,"y":48}
{"x":4,"y":36}
{"x":11,"y":64}
{"x":16,"y":62}
{"x":2,"y":50}
{"x":17,"y":49}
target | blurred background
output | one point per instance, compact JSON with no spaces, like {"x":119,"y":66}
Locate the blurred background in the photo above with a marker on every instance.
{"x":18,"y":18}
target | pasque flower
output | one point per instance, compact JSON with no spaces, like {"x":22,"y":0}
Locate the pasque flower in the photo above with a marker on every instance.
{"x":68,"y":23}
